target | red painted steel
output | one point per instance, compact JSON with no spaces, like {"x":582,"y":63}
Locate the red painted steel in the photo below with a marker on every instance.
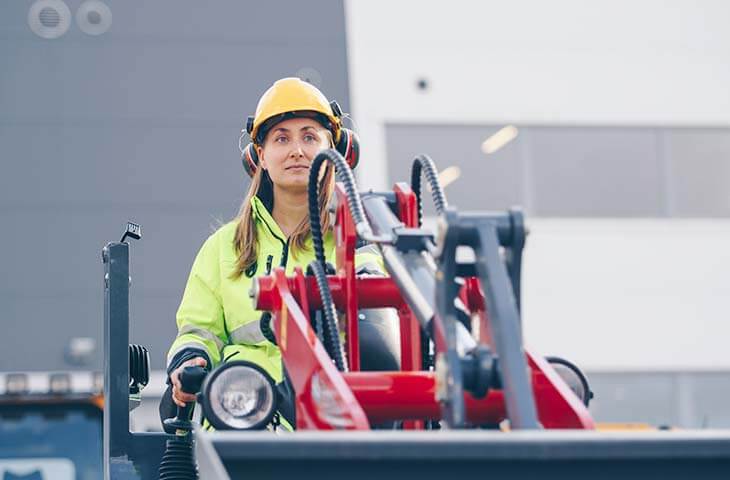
{"x":323,"y":399}
{"x":557,"y":405}
{"x":410,"y":330}
{"x":473,"y":297}
{"x":374,"y":292}
{"x":412,"y":395}
{"x":389,"y":396}
{"x":407,"y":204}
{"x":346,"y":237}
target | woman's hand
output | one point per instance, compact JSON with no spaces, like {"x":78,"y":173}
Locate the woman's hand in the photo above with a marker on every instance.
{"x":178,"y":396}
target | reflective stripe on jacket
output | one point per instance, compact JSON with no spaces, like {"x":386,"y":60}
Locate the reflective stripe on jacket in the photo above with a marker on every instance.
{"x":216,"y":312}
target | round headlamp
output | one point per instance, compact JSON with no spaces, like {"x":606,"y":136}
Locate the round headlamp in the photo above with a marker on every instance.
{"x":239,"y":395}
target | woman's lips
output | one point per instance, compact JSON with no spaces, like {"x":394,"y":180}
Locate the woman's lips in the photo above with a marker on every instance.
{"x":298,"y":167}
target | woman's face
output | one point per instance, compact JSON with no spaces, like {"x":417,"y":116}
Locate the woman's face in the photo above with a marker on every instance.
{"x":288,"y":151}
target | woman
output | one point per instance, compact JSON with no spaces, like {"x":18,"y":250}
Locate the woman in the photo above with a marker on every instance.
{"x":216,"y":319}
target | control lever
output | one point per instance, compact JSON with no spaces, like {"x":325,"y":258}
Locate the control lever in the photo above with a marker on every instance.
{"x":178,"y":462}
{"x":191,"y":379}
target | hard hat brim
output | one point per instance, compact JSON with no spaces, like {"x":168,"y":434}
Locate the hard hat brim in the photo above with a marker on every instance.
{"x":268,"y":124}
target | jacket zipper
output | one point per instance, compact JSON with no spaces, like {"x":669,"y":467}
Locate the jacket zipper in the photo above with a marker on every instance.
{"x":285,"y":253}
{"x":284,"y":245}
{"x":269,"y":259}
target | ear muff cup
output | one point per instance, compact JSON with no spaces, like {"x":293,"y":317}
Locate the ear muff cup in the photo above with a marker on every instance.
{"x":250,"y":159}
{"x":348,"y":147}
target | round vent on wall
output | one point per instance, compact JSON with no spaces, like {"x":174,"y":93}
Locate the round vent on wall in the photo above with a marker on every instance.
{"x":310,"y":75}
{"x":49,"y":18}
{"x":94,"y":17}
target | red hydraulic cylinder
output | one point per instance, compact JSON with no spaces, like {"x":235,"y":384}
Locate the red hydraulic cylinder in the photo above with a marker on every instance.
{"x":388,"y":396}
{"x":373,"y":292}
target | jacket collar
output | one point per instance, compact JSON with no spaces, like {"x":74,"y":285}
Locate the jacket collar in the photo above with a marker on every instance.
{"x":263,"y":215}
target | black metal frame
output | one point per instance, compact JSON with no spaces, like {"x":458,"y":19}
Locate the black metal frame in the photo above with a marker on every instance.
{"x":430,"y":290}
{"x":517,"y":455}
{"x":127,"y":455}
{"x":485,"y":233}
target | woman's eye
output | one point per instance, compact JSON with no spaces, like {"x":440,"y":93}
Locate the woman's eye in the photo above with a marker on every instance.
{"x":281,"y":139}
{"x":310,"y":138}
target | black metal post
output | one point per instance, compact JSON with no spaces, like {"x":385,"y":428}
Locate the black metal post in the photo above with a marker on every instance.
{"x":127,"y":455}
{"x":513,"y":254}
{"x":451,"y":390}
{"x":482,"y":235}
{"x":116,"y":353}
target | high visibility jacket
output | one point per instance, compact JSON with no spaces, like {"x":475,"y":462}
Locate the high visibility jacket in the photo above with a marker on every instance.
{"x":216,"y":317}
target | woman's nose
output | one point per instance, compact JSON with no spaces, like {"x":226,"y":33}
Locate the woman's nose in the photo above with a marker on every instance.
{"x":298,"y":149}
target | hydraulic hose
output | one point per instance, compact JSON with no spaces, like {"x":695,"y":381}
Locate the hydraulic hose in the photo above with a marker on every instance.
{"x":265,"y":326}
{"x":344,"y":175}
{"x":423,"y":163}
{"x":315,"y":222}
{"x":268,"y":332}
{"x":330,"y":331}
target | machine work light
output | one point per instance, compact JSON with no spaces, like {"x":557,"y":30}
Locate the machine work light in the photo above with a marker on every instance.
{"x":239,"y":395}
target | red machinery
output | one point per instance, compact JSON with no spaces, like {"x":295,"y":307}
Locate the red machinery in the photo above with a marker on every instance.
{"x":481,"y":376}
{"x":461,"y":390}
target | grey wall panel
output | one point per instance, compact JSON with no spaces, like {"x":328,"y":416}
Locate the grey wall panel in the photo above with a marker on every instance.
{"x":677,"y":399}
{"x":706,"y":406}
{"x":55,"y":290}
{"x":153,"y":322}
{"x":643,"y":398}
{"x":140,"y":123}
{"x":108,"y":165}
{"x":59,"y":250}
{"x":138,"y":82}
{"x":38,"y":325}
{"x":591,"y":171}
{"x":251,"y":22}
{"x":491,"y":182}
{"x":698,"y":161}
{"x":596,"y":172}
{"x":173,"y":60}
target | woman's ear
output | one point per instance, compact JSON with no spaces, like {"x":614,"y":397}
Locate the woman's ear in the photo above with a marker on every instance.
{"x":260,"y":155}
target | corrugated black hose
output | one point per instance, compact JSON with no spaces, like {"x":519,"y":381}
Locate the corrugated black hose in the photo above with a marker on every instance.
{"x":329,"y":326}
{"x":265,"y":326}
{"x":425,"y":164}
{"x":344,"y":174}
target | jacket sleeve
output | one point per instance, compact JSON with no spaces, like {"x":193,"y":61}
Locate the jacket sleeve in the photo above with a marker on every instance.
{"x":369,"y":261}
{"x":200,"y":320}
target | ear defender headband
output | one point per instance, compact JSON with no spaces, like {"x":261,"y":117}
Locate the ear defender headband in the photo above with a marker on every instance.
{"x":346,"y":141}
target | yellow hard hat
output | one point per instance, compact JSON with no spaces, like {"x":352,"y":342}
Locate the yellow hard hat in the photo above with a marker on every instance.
{"x":291,"y":97}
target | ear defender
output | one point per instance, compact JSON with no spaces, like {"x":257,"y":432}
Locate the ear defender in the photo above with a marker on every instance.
{"x":349,"y":147}
{"x":250,"y":159}
{"x":349,"y":144}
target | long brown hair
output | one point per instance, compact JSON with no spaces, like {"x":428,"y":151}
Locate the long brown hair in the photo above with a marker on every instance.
{"x":246,"y":241}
